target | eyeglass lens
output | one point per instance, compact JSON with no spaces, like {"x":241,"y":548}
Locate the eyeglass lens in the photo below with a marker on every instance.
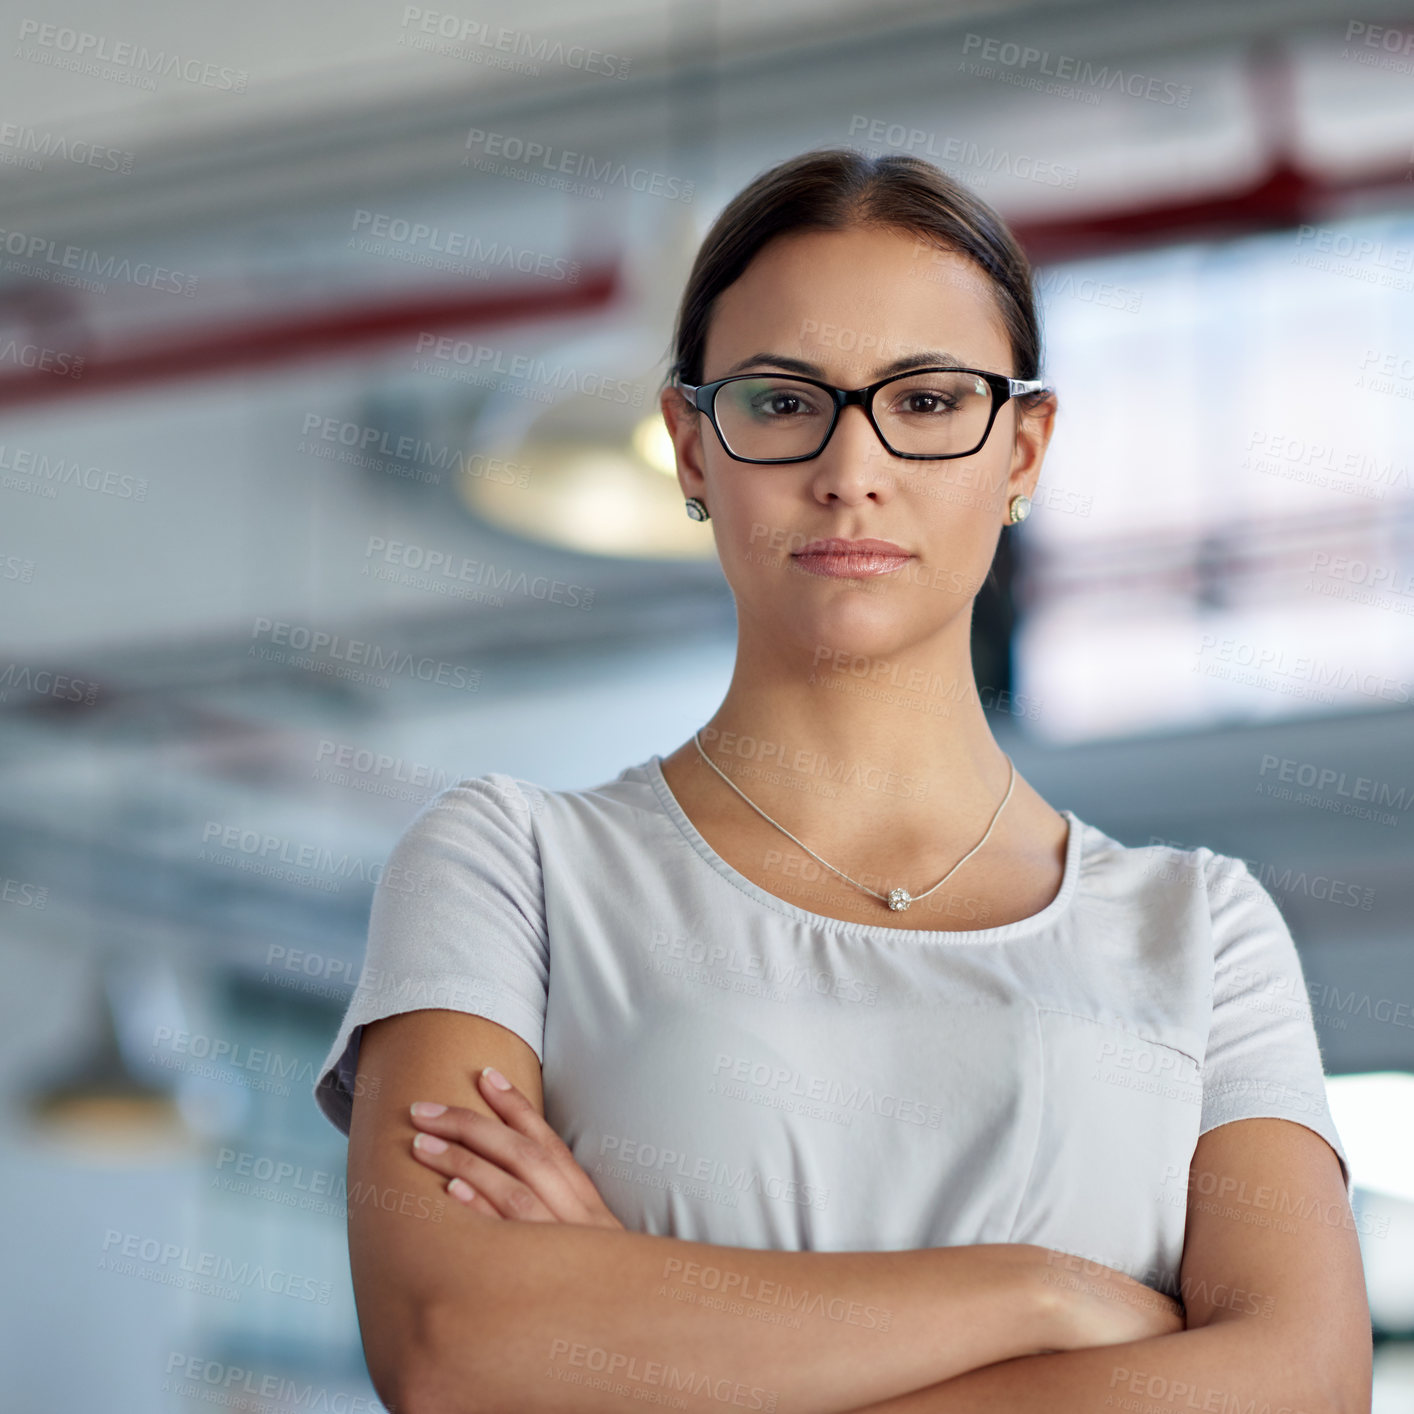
{"x":927,"y":414}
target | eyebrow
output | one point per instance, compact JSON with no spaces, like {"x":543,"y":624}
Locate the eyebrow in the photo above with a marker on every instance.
{"x":930,"y":358}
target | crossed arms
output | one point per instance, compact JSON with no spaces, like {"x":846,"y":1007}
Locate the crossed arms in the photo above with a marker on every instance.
{"x":532,"y":1297}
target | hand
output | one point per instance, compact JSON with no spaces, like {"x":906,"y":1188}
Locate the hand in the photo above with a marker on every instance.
{"x":1097,"y":1305}
{"x":516,"y":1168}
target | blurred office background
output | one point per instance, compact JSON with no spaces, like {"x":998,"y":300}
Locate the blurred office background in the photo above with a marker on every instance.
{"x":330,"y":336}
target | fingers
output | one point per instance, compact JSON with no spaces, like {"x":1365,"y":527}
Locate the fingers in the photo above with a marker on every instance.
{"x":477,"y":1183}
{"x":515,"y":1171}
{"x":521,"y":1115}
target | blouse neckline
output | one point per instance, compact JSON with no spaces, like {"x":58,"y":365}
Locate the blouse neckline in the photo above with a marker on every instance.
{"x":1051,"y":913}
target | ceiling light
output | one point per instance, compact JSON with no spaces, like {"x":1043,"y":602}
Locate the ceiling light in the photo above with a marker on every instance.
{"x":98,"y":1110}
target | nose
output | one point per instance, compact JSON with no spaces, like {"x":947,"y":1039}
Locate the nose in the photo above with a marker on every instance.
{"x":852,"y":465}
{"x":856,"y":433}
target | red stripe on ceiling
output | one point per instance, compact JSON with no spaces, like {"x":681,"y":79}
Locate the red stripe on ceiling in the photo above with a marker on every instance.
{"x":318,"y":334}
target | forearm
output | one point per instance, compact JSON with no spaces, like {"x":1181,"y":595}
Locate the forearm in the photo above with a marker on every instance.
{"x":579,"y":1318}
{"x":1247,"y":1363}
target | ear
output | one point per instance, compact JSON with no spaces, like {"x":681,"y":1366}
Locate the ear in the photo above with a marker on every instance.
{"x":1034,"y":426}
{"x":684,"y":423}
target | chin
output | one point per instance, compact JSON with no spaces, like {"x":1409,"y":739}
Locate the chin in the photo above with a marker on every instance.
{"x":857,"y":627}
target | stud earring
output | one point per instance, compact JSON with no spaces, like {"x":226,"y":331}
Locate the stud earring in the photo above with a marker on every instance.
{"x":696,"y":508}
{"x":1020,"y":508}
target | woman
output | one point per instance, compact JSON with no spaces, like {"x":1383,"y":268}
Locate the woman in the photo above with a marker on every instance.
{"x":944,"y":1091}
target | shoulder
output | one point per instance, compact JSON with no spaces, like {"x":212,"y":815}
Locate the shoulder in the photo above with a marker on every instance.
{"x":1223,"y":884}
{"x":474,"y":813}
{"x":494,"y":797}
{"x":1160,"y":878}
{"x":500,"y":810}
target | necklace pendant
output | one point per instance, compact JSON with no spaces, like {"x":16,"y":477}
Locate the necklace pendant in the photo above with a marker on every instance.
{"x":899,"y":899}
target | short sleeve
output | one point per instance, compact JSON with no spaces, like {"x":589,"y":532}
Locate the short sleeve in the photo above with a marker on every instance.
{"x":1263,"y":1059}
{"x":457,"y":922}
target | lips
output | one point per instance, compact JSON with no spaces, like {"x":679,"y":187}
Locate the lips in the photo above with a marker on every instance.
{"x":836,"y":546}
{"x":851,"y":559}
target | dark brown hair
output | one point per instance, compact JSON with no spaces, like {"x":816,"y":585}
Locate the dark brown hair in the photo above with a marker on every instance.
{"x":833,"y":189}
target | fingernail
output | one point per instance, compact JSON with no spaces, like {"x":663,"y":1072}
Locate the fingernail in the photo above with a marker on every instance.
{"x":496,"y":1078}
{"x":429,"y":1143}
{"x":460,"y":1188}
{"x":425,"y":1109}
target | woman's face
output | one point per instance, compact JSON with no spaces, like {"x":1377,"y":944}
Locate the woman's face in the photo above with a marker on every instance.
{"x":852,"y":303}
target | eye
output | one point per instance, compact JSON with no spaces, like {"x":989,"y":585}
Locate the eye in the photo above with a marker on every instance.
{"x":926,"y":402}
{"x":779,"y":402}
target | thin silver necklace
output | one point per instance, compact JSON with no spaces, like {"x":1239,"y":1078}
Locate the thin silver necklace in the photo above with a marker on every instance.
{"x":897,"y":899}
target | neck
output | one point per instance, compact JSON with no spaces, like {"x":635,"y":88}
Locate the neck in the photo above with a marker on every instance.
{"x":842,"y":747}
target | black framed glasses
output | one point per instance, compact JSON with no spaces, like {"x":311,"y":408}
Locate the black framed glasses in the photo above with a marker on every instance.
{"x":928,"y":414}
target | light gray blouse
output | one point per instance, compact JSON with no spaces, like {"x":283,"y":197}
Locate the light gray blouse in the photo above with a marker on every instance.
{"x":730,"y":1068}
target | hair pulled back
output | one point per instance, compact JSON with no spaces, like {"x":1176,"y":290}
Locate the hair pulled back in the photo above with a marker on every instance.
{"x":834,"y":189}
